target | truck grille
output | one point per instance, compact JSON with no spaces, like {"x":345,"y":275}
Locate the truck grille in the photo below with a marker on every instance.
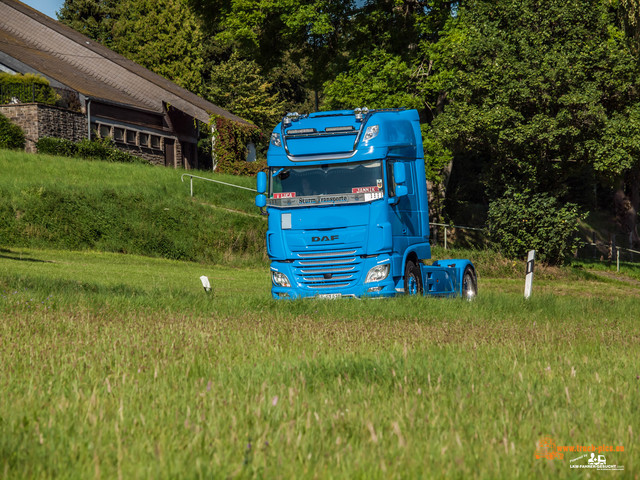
{"x":326,"y":270}
{"x":326,"y":254}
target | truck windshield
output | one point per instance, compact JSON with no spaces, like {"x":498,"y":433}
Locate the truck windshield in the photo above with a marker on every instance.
{"x":335,"y":183}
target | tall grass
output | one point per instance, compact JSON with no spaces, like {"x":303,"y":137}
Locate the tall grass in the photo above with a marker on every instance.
{"x":123,"y":367}
{"x":50,"y":202}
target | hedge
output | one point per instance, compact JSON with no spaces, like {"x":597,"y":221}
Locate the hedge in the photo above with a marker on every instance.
{"x":26,"y":88}
{"x":100,"y":149}
{"x":11,"y":135}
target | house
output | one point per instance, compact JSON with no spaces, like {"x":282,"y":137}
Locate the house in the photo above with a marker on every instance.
{"x":102,"y":93}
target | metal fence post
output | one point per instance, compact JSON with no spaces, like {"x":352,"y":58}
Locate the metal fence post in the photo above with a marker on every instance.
{"x":191,"y":185}
{"x":445,"y":237}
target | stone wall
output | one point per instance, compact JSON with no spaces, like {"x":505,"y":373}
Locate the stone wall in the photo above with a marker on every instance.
{"x":153,"y":156}
{"x":38,"y":120}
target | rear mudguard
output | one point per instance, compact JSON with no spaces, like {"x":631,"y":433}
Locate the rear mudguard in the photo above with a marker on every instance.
{"x":444,"y":277}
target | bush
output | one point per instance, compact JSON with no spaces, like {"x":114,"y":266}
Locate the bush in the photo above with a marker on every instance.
{"x":27,"y":88}
{"x":519,"y":222}
{"x":100,"y":149}
{"x":96,"y":149}
{"x":105,"y":149}
{"x":57,"y":146}
{"x":11,"y":135}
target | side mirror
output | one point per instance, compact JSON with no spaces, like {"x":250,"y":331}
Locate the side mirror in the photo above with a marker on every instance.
{"x":399,"y":173}
{"x":400,"y":178}
{"x":261,"y":200}
{"x":261,"y":182}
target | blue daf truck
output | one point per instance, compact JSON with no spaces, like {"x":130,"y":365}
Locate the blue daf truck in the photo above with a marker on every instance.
{"x":346,"y":198}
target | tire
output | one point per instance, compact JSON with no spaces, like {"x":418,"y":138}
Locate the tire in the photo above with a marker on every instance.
{"x":412,"y":279}
{"x":469,"y":284}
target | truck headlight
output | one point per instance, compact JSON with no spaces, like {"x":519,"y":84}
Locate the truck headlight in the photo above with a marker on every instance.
{"x":275,"y":140}
{"x":377,"y":273}
{"x":280,"y":279}
{"x":371,"y":132}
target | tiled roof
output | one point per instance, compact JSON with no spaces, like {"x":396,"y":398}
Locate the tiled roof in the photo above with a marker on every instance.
{"x":75,"y":60}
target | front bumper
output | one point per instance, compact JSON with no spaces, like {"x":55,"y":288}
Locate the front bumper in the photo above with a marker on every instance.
{"x":332,"y":278}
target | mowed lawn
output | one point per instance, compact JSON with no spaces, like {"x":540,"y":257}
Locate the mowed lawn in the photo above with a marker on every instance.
{"x":118,"y":366}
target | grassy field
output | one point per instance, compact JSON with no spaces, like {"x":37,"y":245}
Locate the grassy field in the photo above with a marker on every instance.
{"x":73,"y":204}
{"x":120,"y":366}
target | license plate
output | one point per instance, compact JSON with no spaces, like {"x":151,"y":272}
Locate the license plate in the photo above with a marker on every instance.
{"x":330,"y":296}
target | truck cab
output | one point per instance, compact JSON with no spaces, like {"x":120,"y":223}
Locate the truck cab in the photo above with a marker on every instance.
{"x":346,"y":199}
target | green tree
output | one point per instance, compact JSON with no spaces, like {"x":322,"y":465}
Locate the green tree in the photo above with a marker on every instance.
{"x":532,"y":92}
{"x":164,"y":36}
{"x":297,"y":43}
{"x":93,"y":18}
{"x":238,"y":86}
{"x":381,"y":80}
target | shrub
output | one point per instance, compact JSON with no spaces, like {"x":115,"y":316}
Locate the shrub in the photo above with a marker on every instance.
{"x":519,"y":222}
{"x":105,"y":149}
{"x":99,"y":149}
{"x":27,"y":88}
{"x":96,"y":149}
{"x":57,"y":146}
{"x":11,"y":135}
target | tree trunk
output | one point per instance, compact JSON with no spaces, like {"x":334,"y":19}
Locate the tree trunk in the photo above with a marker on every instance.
{"x":627,"y":203}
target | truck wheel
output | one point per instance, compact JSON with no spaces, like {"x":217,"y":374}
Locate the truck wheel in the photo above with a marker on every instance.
{"x":469,"y":284}
{"x":412,"y":279}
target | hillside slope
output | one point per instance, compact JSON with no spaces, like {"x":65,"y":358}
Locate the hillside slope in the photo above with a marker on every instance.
{"x":62,"y":203}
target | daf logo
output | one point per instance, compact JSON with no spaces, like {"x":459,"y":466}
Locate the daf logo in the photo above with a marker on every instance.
{"x":324,"y":238}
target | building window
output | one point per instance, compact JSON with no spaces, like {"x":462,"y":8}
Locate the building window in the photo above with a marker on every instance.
{"x":105,"y":131}
{"x":131,"y":136}
{"x":118,"y":134}
{"x":94,"y":129}
{"x":144,"y":139}
{"x":155,"y":142}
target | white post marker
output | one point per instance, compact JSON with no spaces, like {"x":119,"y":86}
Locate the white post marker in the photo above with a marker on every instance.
{"x":528,"y":282}
{"x":205,"y":283}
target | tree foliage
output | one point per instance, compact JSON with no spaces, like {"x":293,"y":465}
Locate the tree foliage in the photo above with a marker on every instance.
{"x":532,"y":97}
{"x":164,"y":36}
{"x":93,"y":18}
{"x":381,"y":80}
{"x":522,"y":221}
{"x":534,"y":106}
{"x":238,"y":86}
